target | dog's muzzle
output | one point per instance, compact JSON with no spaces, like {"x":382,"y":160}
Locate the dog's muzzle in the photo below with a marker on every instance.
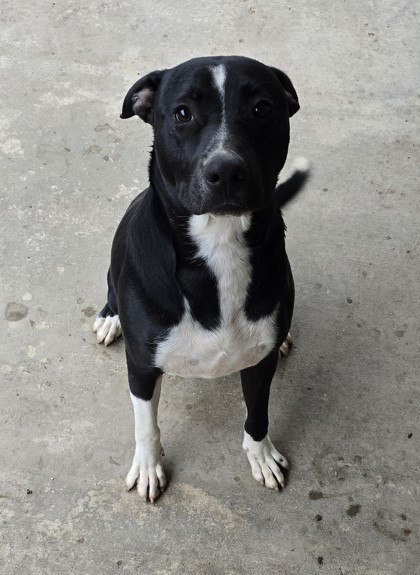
{"x":225,"y":178}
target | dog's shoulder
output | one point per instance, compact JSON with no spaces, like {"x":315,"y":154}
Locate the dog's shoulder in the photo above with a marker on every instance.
{"x":144,"y":262}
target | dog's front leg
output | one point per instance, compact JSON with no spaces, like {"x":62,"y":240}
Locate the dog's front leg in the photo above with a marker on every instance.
{"x":146,"y":469}
{"x":265,"y":460}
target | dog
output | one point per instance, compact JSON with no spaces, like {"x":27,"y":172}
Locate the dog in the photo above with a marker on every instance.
{"x":199,"y":283}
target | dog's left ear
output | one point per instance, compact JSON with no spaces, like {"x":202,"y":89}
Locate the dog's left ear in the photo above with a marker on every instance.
{"x":292,"y":97}
{"x":141,"y":96}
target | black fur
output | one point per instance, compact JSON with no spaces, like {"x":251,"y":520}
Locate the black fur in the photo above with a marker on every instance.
{"x":154,"y":262}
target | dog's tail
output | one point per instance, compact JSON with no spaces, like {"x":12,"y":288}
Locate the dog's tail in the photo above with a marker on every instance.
{"x":288,"y":189}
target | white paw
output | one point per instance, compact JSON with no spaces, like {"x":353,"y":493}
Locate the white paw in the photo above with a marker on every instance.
{"x":107,"y":329}
{"x":286,"y":346}
{"x":265,"y":461}
{"x":147,"y":472}
{"x":302,"y":164}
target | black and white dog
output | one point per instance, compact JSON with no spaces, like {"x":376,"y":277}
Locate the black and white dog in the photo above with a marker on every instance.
{"x":199,"y":283}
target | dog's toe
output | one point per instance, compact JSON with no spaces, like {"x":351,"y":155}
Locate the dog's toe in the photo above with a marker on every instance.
{"x":286,"y":346}
{"x":107,"y":329}
{"x":98,"y":323}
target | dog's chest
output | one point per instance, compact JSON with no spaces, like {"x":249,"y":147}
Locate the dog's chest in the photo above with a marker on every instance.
{"x":190,"y":350}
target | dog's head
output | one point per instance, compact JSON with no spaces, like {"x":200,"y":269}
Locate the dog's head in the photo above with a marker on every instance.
{"x":221,"y":131}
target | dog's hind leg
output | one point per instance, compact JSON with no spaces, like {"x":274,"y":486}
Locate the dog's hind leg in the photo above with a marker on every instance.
{"x":107,"y":325}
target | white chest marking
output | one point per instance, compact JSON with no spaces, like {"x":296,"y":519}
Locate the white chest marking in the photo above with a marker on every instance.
{"x":193,"y":351}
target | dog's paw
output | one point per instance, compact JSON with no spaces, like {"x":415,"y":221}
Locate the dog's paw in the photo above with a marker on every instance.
{"x":147,"y":472}
{"x":266,"y":462}
{"x":302,"y":164}
{"x":107,"y":329}
{"x":286,"y":346}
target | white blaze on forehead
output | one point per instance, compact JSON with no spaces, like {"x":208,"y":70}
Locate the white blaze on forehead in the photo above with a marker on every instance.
{"x":219,"y":80}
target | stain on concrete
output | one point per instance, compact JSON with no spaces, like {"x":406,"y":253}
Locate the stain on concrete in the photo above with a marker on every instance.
{"x":400,"y":536}
{"x":89,"y":311}
{"x":103,"y":127}
{"x":315,"y":495}
{"x":198,"y":502}
{"x":353,"y":510}
{"x":15,"y":311}
{"x":401,"y":331}
{"x":110,"y":500}
{"x":340,"y":473}
{"x":94,"y":149}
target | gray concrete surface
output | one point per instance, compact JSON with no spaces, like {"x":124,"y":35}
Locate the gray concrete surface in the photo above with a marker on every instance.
{"x":345,"y":405}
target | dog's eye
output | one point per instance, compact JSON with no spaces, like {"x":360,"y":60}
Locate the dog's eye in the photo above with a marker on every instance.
{"x":262,"y":109}
{"x":183,"y":114}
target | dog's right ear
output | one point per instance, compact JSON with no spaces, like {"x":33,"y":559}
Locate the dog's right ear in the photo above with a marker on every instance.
{"x":140,"y":97}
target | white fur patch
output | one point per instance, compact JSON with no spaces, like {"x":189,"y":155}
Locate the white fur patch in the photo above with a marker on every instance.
{"x":219,"y":80}
{"x":190,"y":350}
{"x":286,"y":346}
{"x":107,"y":329}
{"x":265,"y":461}
{"x":146,"y":469}
{"x":302,"y":164}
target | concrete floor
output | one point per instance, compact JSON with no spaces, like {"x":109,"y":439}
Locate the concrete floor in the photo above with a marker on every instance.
{"x":345,"y":405}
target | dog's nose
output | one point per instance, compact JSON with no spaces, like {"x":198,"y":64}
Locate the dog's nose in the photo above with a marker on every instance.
{"x":225,"y":173}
